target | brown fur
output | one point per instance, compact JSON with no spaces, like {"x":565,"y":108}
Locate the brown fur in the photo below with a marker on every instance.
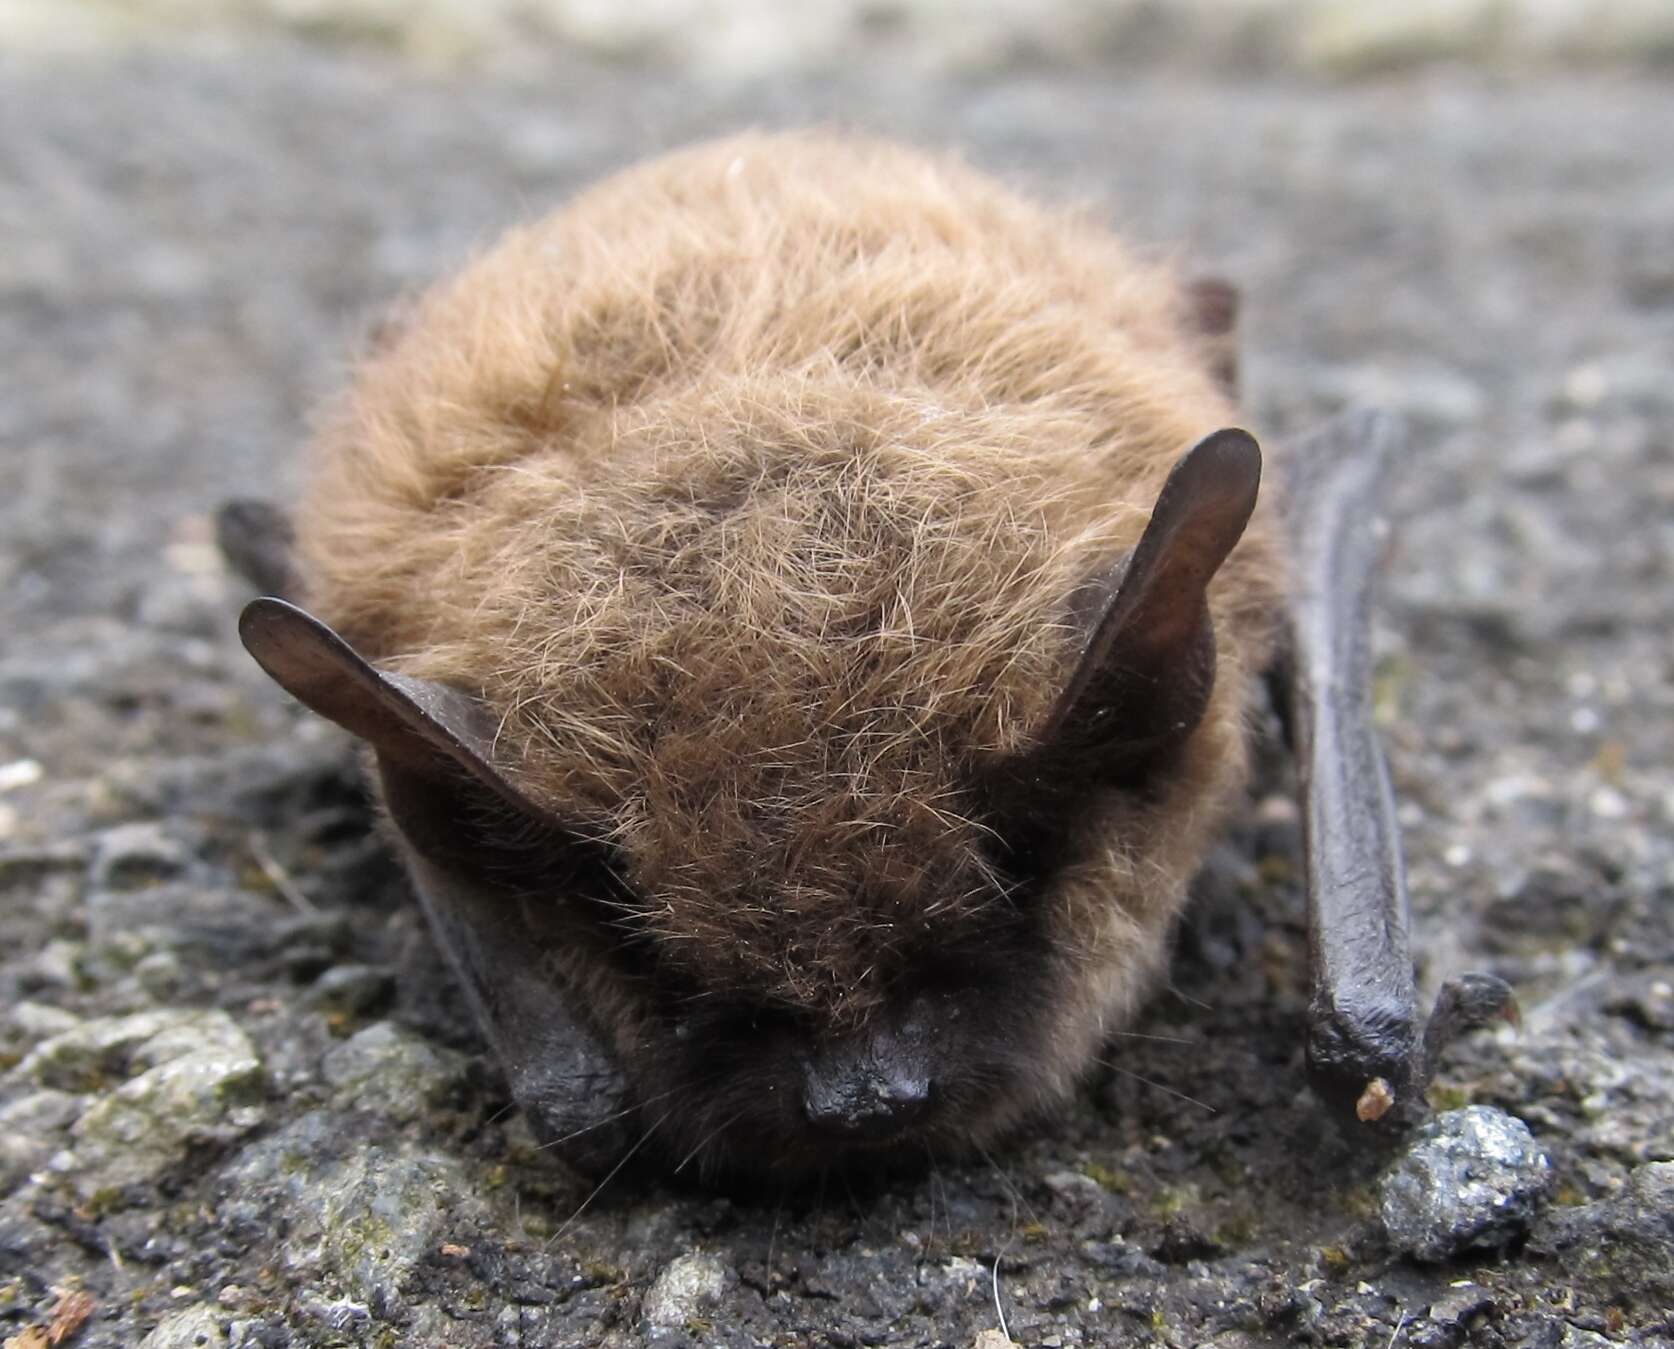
{"x":749,"y":490}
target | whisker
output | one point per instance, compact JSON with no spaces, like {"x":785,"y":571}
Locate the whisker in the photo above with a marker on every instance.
{"x":1187,"y":998}
{"x":930,"y":1193}
{"x":600,"y":1123}
{"x":1016,"y":1199}
{"x":1017,"y":1196}
{"x":710,"y":1137}
{"x":856,"y":1209}
{"x":947,"y":1204}
{"x":644,"y":1138}
{"x":276,"y":875}
{"x":1159,"y":1039}
{"x":999,"y":1310}
{"x":1140,"y":1077}
{"x":773,"y":1236}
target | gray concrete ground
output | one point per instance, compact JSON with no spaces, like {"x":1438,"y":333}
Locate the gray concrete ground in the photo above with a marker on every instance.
{"x":239,"y":1102}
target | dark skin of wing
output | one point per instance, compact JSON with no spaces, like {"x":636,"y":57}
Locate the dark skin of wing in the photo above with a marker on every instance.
{"x":1366,"y":1055}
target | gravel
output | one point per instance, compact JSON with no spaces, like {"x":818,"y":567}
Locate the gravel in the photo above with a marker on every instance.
{"x":1624,"y":1241}
{"x":1468,"y":1179}
{"x":687,"y":1289}
{"x":241,"y":1101}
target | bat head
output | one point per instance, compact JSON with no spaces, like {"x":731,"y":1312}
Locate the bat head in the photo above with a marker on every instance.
{"x":777,"y":945}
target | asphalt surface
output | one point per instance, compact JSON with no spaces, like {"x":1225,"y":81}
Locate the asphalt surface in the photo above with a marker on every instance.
{"x":191,"y":249}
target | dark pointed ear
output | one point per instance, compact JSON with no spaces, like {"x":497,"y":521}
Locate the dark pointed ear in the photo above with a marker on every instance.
{"x":413,"y":724}
{"x":1143,"y":679}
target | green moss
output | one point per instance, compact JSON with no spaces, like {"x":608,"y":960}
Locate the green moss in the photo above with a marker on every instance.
{"x":1237,"y":1230}
{"x":106,"y":1199}
{"x":1389,"y":684}
{"x":1447,"y":1098}
{"x":255,"y":880}
{"x":295,"y":1163}
{"x":1358,"y":1203}
{"x":1230,"y":1169}
{"x":1117,"y":1182}
{"x":248,"y":1088}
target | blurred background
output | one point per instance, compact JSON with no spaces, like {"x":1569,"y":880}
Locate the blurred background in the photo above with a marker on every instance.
{"x":729,"y":39}
{"x":205,"y":203}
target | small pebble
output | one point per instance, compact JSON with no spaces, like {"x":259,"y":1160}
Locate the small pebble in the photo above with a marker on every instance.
{"x":40,"y":1021}
{"x":133,"y":855}
{"x":1461,"y":1304}
{"x":19,"y":773}
{"x":688,"y":1286}
{"x":195,"y":1328}
{"x":357,"y":989}
{"x":388,"y":1070}
{"x":1470,"y":1178}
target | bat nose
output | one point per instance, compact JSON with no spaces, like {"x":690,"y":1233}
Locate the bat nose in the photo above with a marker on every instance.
{"x":879,"y":1109}
{"x":865,"y":1096}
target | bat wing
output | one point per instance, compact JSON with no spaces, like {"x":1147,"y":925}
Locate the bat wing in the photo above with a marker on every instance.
{"x":257,"y":539}
{"x":1366,"y":1049}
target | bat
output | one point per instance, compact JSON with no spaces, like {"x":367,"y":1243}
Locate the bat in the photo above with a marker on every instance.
{"x":803,"y":605}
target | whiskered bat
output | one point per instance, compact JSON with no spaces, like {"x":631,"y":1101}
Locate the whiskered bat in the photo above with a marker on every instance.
{"x":804,"y":605}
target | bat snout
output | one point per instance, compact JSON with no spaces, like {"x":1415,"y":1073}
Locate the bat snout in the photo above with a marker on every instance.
{"x":866,"y":1092}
